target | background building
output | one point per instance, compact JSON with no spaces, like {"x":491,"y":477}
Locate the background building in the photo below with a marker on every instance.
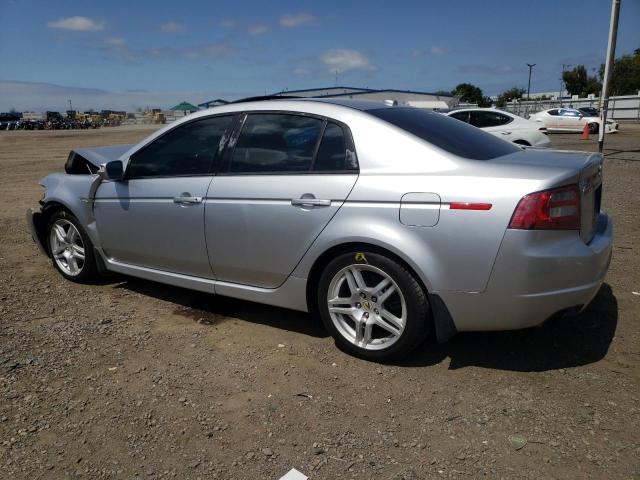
{"x":402,"y":97}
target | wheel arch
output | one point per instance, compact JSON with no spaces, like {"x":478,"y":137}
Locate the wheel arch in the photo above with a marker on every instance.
{"x":49,"y":208}
{"x":439,"y":314}
{"x":325,"y":257}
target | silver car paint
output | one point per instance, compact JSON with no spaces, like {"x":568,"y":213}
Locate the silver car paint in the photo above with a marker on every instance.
{"x":242,"y":210}
{"x":488,"y":276}
{"x":140,"y":223}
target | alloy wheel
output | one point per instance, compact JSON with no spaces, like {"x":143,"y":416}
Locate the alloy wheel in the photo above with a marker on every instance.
{"x":366,"y":306}
{"x":67,"y":247}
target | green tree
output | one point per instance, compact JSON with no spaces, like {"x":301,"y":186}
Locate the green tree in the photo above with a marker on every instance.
{"x":626,"y":74}
{"x":511,"y":94}
{"x":578,"y":82}
{"x":468,"y":93}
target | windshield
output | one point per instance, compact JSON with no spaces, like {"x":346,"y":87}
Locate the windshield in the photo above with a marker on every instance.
{"x":446,"y":133}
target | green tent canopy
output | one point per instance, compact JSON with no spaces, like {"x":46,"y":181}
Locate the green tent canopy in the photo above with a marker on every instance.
{"x":185,"y":107}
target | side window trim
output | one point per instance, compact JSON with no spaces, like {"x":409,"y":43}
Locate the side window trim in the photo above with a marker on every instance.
{"x":318,"y":143}
{"x":225,"y":164}
{"x":222,"y":146}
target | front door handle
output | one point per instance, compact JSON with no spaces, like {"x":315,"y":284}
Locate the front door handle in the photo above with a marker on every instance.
{"x":186,"y":198}
{"x":310,"y":202}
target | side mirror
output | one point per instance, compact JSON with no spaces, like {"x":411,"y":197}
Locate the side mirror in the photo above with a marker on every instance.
{"x":114,"y":171}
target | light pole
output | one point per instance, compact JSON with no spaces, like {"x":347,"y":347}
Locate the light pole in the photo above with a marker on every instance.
{"x":564,"y":65}
{"x":530,"y":65}
{"x":606,"y":86}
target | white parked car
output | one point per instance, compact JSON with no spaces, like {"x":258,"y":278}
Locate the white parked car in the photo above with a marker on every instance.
{"x":571,"y":120}
{"x":505,"y":125}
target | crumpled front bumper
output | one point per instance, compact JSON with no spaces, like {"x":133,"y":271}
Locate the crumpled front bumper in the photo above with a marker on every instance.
{"x":34,"y":219}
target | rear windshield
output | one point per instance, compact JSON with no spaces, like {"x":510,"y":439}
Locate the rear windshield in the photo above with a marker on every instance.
{"x":446,"y":133}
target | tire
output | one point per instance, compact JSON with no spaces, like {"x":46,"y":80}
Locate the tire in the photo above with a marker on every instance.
{"x":364,"y":325}
{"x":593,"y":128}
{"x":70,"y":248}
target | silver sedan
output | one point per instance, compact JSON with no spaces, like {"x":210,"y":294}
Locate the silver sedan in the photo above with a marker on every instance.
{"x":390,"y":222}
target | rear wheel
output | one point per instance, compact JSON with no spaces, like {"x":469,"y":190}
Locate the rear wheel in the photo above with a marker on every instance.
{"x":70,"y":248}
{"x":593,"y":128}
{"x":372,"y":305}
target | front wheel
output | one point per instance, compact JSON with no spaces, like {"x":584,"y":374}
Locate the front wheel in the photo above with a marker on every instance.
{"x":593,"y":128}
{"x":372,"y":305}
{"x":70,"y":248}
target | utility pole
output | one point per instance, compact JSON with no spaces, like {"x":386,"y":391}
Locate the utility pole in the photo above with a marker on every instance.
{"x":530,"y":65}
{"x":70,"y":107}
{"x":564,"y":65}
{"x":336,"y":78}
{"x":606,"y":82}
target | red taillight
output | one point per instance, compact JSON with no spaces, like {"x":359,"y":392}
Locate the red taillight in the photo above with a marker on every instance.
{"x":555,"y":209}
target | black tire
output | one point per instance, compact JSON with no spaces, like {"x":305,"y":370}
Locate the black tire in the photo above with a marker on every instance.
{"x":88,"y":272}
{"x":593,"y":128}
{"x":417,"y":323}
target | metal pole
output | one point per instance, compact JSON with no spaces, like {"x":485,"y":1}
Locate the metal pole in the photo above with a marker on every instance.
{"x":606,"y":81}
{"x":564,"y":65}
{"x":530,"y":65}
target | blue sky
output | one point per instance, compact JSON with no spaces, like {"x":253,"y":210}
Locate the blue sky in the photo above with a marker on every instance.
{"x":136,"y":53}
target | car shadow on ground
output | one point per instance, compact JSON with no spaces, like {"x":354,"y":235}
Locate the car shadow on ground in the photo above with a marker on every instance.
{"x":213,"y":309}
{"x":560,"y":343}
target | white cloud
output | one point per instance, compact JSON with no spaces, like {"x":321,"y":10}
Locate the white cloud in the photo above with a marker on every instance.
{"x":295,"y":20}
{"x":172,"y":27}
{"x":78,"y":24}
{"x":439,"y":50}
{"x":257,"y":29}
{"x":116,"y":42}
{"x":435,"y":50}
{"x":345,"y":60}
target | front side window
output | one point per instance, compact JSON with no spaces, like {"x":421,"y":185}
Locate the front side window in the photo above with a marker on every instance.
{"x":569,"y":113}
{"x":188,"y":150}
{"x":274,"y":143}
{"x":484,"y":119}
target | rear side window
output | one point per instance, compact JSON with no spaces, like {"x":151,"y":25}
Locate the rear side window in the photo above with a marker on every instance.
{"x":484,"y":119}
{"x":271,"y":143}
{"x":446,"y":133}
{"x":187,"y":150}
{"x":332,"y":154}
{"x":553,"y":112}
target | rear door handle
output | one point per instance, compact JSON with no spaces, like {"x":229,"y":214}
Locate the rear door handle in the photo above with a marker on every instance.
{"x":186,"y":198}
{"x":506,"y":133}
{"x":311,"y":202}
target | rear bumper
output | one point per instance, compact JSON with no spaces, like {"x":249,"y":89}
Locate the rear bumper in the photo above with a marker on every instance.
{"x":536,"y":275}
{"x":34,"y":223}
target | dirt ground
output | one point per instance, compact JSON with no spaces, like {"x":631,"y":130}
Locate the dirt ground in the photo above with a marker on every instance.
{"x":131,"y":378}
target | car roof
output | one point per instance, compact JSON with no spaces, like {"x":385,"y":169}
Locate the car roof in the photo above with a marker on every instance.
{"x":362,"y":105}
